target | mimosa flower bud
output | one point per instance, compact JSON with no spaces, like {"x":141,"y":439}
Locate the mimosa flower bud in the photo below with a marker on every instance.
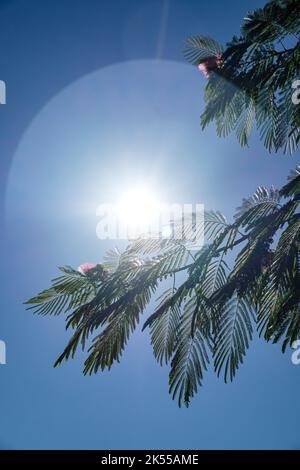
{"x":86,"y":267}
{"x":209,"y":64}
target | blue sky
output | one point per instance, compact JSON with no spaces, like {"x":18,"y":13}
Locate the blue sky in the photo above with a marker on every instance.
{"x":99,"y":98}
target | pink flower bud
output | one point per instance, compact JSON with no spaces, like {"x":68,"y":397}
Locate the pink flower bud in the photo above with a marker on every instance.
{"x":209,"y":64}
{"x":203,"y":68}
{"x":86,"y":267}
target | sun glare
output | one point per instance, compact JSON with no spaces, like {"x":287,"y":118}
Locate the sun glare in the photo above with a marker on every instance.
{"x":138,"y":208}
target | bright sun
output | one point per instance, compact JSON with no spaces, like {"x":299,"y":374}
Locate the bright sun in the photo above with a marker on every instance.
{"x":138,"y":208}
